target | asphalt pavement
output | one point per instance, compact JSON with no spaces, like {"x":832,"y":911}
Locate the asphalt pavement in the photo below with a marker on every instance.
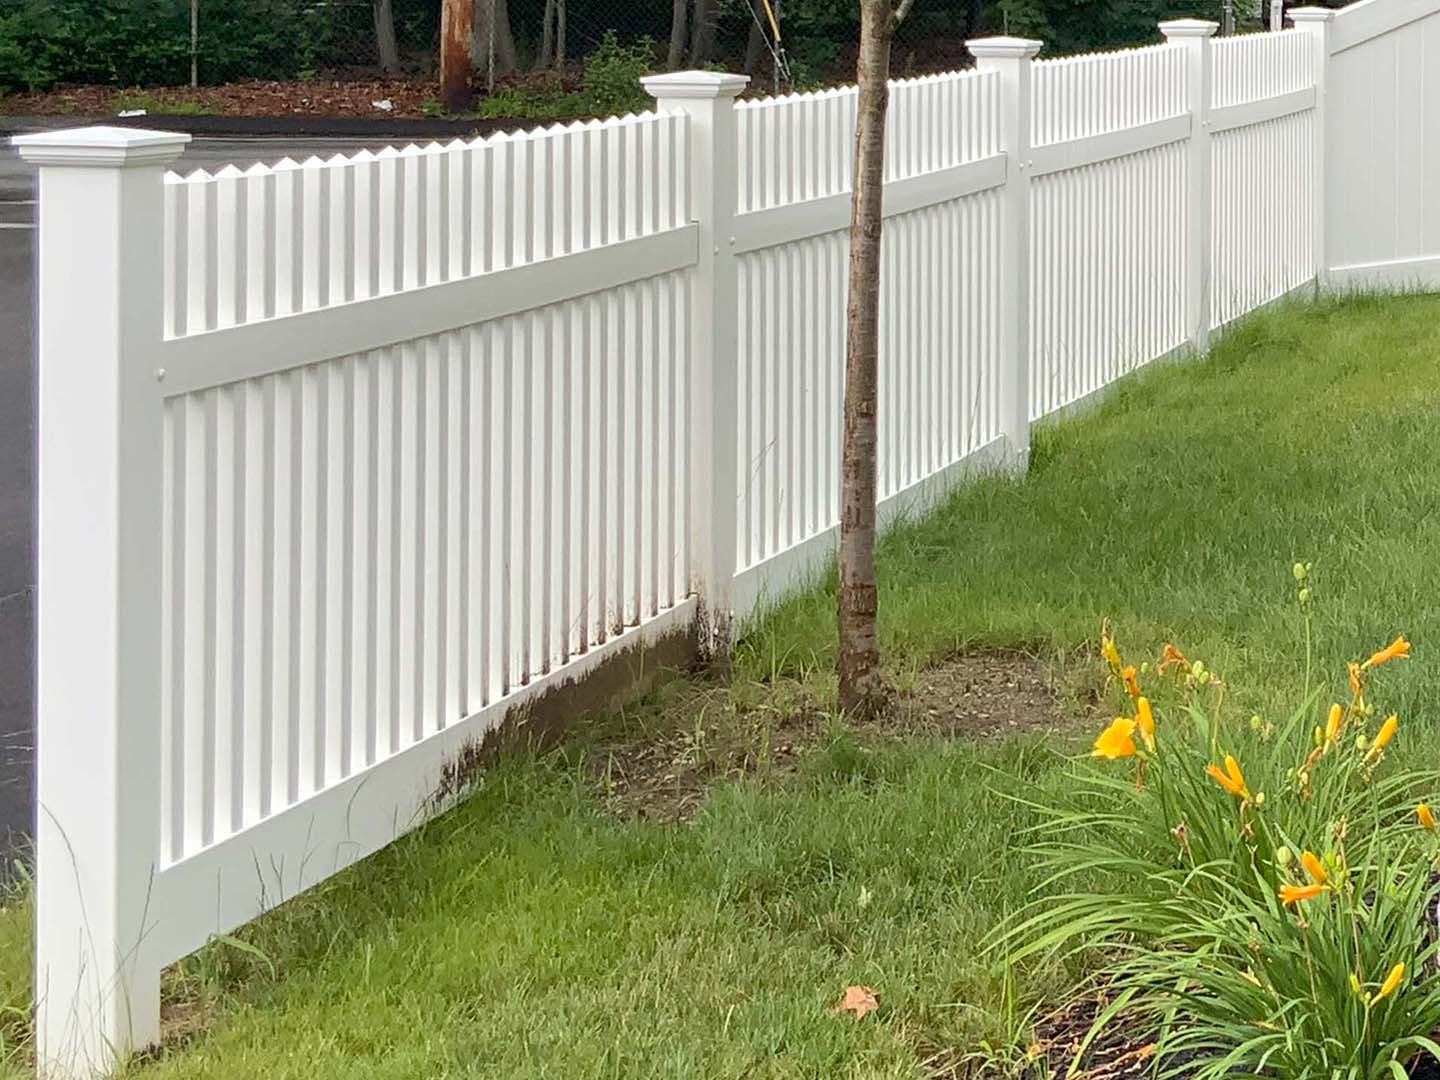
{"x":17,"y":454}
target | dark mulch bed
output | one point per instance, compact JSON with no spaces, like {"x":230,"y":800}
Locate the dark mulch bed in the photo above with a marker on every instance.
{"x":312,"y":97}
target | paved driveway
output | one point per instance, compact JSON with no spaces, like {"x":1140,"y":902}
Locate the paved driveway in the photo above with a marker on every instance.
{"x":17,"y":458}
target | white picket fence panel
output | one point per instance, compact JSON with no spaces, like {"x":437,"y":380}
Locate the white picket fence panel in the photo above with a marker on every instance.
{"x":792,"y":248}
{"x":1108,"y":203}
{"x":398,"y":443}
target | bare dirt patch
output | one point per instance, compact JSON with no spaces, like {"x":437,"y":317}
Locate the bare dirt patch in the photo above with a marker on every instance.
{"x":663,"y":769}
{"x":980,"y":697}
{"x":665,"y":773}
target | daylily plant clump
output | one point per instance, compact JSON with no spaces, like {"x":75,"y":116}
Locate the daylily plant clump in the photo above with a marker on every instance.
{"x":1259,"y":894}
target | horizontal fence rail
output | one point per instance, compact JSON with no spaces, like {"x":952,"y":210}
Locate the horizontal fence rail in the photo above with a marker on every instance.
{"x":400,"y":443}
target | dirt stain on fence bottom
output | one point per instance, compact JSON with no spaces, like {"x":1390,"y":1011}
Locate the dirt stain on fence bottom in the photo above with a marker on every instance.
{"x":542,"y":722}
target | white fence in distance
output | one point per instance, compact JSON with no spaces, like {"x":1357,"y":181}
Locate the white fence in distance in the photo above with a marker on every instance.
{"x":396,"y":443}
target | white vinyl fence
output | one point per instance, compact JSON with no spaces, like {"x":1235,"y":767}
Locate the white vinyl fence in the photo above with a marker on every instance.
{"x":342,"y":462}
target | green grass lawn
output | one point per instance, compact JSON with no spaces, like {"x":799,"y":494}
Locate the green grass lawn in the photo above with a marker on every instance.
{"x":533,"y":933}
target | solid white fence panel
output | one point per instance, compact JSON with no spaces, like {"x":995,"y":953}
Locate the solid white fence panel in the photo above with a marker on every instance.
{"x":1383,"y":146}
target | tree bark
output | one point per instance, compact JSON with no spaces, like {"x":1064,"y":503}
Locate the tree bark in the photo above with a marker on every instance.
{"x":505,"y":62}
{"x":547,"y":38}
{"x":386,"y":48}
{"x":559,"y":35}
{"x":457,"y":32}
{"x":702,"y":36}
{"x":754,"y":51}
{"x":863,"y":692}
{"x":676,"y":56}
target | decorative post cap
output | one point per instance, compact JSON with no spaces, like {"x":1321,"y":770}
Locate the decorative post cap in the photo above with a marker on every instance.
{"x":694,"y":84}
{"x":1189,"y":28}
{"x":1310,"y":14}
{"x":1004,"y":48}
{"x":101,"y":147}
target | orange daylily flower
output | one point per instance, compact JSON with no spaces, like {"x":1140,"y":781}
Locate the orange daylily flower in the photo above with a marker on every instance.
{"x":1131,"y":686}
{"x":1355,"y":685}
{"x":1392,"y":981}
{"x":1294,"y":894}
{"x":1171,"y":655}
{"x":1145,"y":721}
{"x":1427,"y":819}
{"x":1117,"y":740}
{"x":1315,"y":868}
{"x":1232,"y":779}
{"x":1332,"y":723}
{"x":1384,"y":735}
{"x":1398,"y":649}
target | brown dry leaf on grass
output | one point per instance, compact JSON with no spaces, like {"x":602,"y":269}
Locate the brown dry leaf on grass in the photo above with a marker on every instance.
{"x":859,"y":1000}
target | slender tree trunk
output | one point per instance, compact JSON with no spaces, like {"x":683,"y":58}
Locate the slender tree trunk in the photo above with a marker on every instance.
{"x":676,"y":56}
{"x":547,"y":38}
{"x":754,"y":51}
{"x":497,"y":28}
{"x":702,"y":35}
{"x":862,"y":687}
{"x":457,"y":33}
{"x":559,"y":35}
{"x":386,"y":48}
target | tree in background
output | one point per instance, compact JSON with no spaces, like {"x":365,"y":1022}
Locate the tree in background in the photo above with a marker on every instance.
{"x":494,"y":47}
{"x":863,"y":692}
{"x":387,"y":49}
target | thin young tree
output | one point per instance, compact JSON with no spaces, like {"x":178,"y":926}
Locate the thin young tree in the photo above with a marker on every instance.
{"x":863,"y":691}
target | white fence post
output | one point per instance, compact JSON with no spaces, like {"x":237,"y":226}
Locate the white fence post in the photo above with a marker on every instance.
{"x":1012,"y":57}
{"x":1316,"y":21}
{"x":99,"y":685}
{"x":709,"y":99}
{"x":1194,"y":35}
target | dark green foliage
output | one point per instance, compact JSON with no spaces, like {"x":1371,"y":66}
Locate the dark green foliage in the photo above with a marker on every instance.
{"x":610,"y":86}
{"x":147,"y":42}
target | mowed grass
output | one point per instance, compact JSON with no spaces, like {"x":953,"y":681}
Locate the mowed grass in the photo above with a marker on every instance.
{"x":531,"y":933}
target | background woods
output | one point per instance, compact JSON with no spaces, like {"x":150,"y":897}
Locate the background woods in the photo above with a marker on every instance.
{"x":527,"y":42}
